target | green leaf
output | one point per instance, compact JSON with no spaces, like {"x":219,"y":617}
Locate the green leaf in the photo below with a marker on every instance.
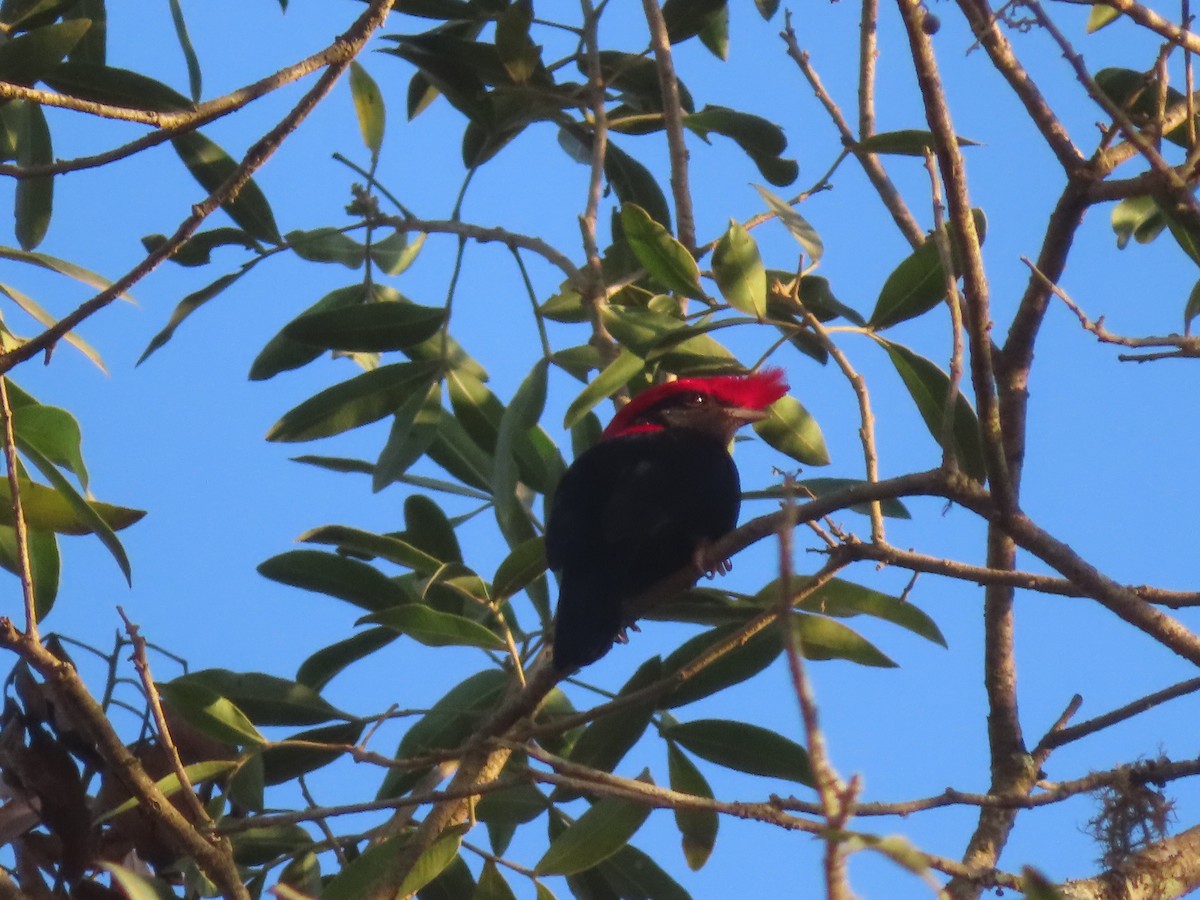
{"x":431,"y":864}
{"x":211,"y":713}
{"x":282,"y":353}
{"x":428,"y":528}
{"x":61,"y":266}
{"x":197,"y":774}
{"x":34,"y":196}
{"x":212,"y":167}
{"x":821,"y":639}
{"x":929,"y":387}
{"x":767,"y":8}
{"x":135,"y":886}
{"x":740,"y":664}
{"x":634,"y":874}
{"x":634,"y":184}
{"x":1185,"y":229}
{"x":454,"y":882}
{"x":595,"y":836}
{"x":396,"y":252}
{"x":698,"y":827}
{"x":845,"y":599}
{"x":492,"y":885}
{"x":265,"y":699}
{"x":524,"y":564}
{"x":791,"y":430}
{"x":447,"y":724}
{"x":1192,"y":309}
{"x":116,"y":87}
{"x":517,"y":51}
{"x":906,"y":142}
{"x":320,"y":668}
{"x":455,"y":451}
{"x":283,"y":762}
{"x":1137,"y":217}
{"x":1100,"y":16}
{"x":687,"y":18}
{"x":197,"y":250}
{"x":739,"y":271}
{"x":616,"y":375}
{"x":55,"y":434}
{"x":795,"y":223}
{"x":744,"y":747}
{"x":189,"y":305}
{"x":335,"y":575}
{"x":44,"y":563}
{"x":96,"y":518}
{"x":362,"y":875}
{"x":667,"y":260}
{"x":35,"y":311}
{"x":715,"y":34}
{"x":393,"y":549}
{"x":47,"y":509}
{"x":185,"y":44}
{"x":363,"y":399}
{"x":378,"y":327}
{"x":327,"y":245}
{"x":26,"y":57}
{"x":436,"y":629}
{"x":258,"y":846}
{"x":414,"y":429}
{"x":754,"y":134}
{"x":519,"y":419}
{"x":606,"y":740}
{"x":368,"y":106}
{"x":918,"y":284}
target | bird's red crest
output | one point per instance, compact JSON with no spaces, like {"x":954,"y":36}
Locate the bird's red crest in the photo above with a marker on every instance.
{"x":757,"y":390}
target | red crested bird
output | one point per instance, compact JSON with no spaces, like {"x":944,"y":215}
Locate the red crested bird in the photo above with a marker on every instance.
{"x":651,"y":496}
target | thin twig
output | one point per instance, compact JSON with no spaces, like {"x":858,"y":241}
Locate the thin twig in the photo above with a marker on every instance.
{"x":342,"y":53}
{"x":165,"y":740}
{"x":685,"y":223}
{"x":20,"y":528}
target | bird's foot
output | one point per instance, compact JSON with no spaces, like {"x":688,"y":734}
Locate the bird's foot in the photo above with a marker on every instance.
{"x":707,"y":565}
{"x":623,"y":635}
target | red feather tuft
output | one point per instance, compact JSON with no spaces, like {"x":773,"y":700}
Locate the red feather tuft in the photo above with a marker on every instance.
{"x":757,"y":390}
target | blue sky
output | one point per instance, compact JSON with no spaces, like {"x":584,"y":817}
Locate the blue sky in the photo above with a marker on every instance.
{"x":182,"y":435}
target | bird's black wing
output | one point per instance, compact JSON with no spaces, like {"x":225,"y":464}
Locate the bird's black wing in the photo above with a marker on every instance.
{"x":629,"y":512}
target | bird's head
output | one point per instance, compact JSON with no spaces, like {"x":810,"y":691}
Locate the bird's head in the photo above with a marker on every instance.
{"x":717,"y":406}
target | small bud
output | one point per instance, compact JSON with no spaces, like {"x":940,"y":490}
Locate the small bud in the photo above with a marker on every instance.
{"x":930,"y":24}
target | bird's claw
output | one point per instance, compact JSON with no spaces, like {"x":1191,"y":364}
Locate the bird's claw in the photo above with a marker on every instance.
{"x":623,"y":635}
{"x":707,"y":566}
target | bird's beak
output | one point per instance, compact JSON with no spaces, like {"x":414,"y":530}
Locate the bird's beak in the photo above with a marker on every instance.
{"x":744,"y":415}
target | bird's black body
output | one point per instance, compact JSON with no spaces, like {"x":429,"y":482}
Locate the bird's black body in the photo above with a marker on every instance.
{"x":628,"y":512}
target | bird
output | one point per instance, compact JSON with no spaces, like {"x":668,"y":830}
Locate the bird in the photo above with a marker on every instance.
{"x":653,"y":494}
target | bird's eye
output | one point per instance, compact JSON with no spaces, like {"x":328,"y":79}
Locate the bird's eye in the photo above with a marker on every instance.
{"x":697,"y":399}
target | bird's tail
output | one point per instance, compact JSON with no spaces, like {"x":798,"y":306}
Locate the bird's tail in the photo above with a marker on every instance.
{"x":589,"y":619}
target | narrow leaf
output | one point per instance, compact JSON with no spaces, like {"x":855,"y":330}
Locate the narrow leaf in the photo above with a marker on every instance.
{"x":698,"y":827}
{"x":212,"y":167}
{"x":739,"y":271}
{"x":525,"y":563}
{"x":414,"y":429}
{"x":211,"y":713}
{"x":906,"y":142}
{"x":667,"y":260}
{"x":436,"y":629}
{"x":266,"y":699}
{"x":189,"y":53}
{"x":368,"y":106}
{"x":918,"y":284}
{"x":804,"y":233}
{"x":34,"y":196}
{"x":929,"y":387}
{"x":595,"y":836}
{"x":744,"y":747}
{"x":519,"y":419}
{"x":790,"y":429}
{"x":381,"y":545}
{"x":363,"y":399}
{"x":615,"y":376}
{"x":320,"y":668}
{"x":336,"y":575}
